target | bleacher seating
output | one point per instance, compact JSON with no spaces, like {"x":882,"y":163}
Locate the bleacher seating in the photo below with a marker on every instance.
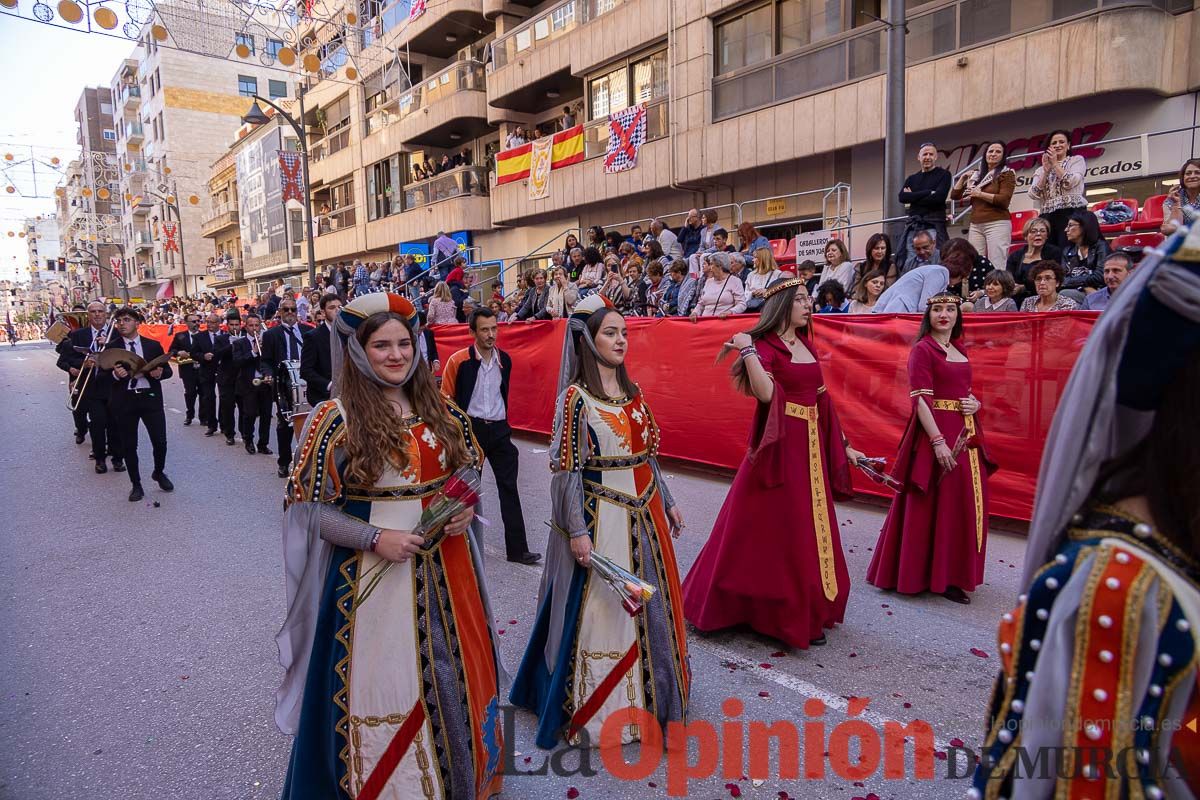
{"x":1014,"y":247}
{"x":1116,"y":227}
{"x":1018,"y":219}
{"x":1137,"y":240}
{"x":1151,"y":216}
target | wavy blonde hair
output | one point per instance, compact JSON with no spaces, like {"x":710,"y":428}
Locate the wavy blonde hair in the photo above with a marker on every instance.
{"x":375,"y":434}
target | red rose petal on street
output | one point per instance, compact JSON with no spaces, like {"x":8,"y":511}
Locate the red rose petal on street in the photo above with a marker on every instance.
{"x":889,"y":613}
{"x":884,"y":605}
{"x":764,"y":694}
{"x":572,"y":793}
{"x":501,"y":631}
{"x":975,"y":651}
{"x":652,"y":785}
{"x":512,"y":622}
{"x":765,"y":665}
{"x":908,"y":705}
{"x":956,"y":742}
{"x":854,"y":655}
{"x":778,"y":654}
{"x":734,"y":791}
{"x":940,"y":755}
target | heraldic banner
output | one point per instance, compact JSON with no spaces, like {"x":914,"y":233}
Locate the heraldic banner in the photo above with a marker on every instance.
{"x":540,"y":159}
{"x":626,"y":135}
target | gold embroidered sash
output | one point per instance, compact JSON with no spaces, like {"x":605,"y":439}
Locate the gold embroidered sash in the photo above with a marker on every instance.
{"x":973,"y":458}
{"x":819,"y":506}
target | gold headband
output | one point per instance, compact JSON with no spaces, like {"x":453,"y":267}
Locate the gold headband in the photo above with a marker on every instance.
{"x":944,"y":297}
{"x":779,"y":286}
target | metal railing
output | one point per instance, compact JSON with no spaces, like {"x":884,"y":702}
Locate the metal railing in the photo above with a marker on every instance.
{"x":862,"y":52}
{"x":334,"y":221}
{"x":539,"y":253}
{"x":546,"y":27}
{"x":458,"y":182}
{"x":461,"y":76}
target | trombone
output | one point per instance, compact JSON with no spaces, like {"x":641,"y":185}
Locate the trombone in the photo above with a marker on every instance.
{"x":80,"y":383}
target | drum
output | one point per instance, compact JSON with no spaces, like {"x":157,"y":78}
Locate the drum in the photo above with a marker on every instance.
{"x":290,"y":386}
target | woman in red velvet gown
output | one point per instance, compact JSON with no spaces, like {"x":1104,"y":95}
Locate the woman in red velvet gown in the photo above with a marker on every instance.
{"x":774,"y":558}
{"x":935,"y":536}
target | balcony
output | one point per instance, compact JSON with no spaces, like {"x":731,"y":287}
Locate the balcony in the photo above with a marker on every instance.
{"x":437,"y":32}
{"x":331,"y":158}
{"x":130,"y":101}
{"x":145,"y":274}
{"x":223,"y":217}
{"x":222,"y":274}
{"x":448,"y":107}
{"x":142,"y":241}
{"x":453,"y":201}
{"x":460,"y":182}
{"x":134,"y":134}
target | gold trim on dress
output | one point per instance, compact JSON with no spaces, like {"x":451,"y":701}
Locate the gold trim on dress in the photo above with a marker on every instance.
{"x":921,"y":392}
{"x":947,"y":405}
{"x":973,"y":459}
{"x":824,"y":533}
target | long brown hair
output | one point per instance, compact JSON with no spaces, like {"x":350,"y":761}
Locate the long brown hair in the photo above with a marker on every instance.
{"x":776,"y":312}
{"x":587,"y":367}
{"x":375,"y":435}
{"x":956,"y":331}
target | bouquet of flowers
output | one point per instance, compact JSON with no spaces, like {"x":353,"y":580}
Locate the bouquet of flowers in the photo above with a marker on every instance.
{"x":458,"y":493}
{"x":633,"y":591}
{"x":874,"y":468}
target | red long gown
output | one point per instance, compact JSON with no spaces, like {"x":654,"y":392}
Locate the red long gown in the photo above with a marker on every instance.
{"x":935,"y":534}
{"x":774,"y":558}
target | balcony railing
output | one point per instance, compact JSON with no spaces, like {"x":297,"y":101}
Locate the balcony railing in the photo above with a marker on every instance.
{"x":862,"y":52}
{"x":461,"y":76}
{"x":146,"y":274}
{"x":223,"y":216}
{"x":224,"y":271}
{"x":334,"y":221}
{"x":333,"y":143}
{"x":134,"y":131}
{"x":461,"y":182}
{"x":548,"y":26}
{"x":142,"y":240}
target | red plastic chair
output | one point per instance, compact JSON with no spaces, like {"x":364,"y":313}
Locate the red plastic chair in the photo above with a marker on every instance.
{"x":1116,"y":227}
{"x":1138,"y":240}
{"x":778,"y":248}
{"x":787,"y":259}
{"x":1014,"y":247}
{"x":1151,"y":216}
{"x":1018,"y":219}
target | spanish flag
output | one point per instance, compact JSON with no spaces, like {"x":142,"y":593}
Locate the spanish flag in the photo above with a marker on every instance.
{"x":513,"y":165}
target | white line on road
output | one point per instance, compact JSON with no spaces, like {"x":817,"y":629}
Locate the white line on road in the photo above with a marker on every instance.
{"x":175,"y":411}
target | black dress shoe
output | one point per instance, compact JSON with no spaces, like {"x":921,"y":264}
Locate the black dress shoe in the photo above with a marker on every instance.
{"x":79,"y":437}
{"x":229,"y":441}
{"x":957,"y":595}
{"x":527,"y":558}
{"x":283,"y":472}
{"x":817,"y":642}
{"x":101,"y":468}
{"x":118,"y":466}
{"x":211,"y":432}
{"x":250,"y":448}
{"x":136,"y":493}
{"x":163,"y":481}
{"x":266,"y":451}
{"x":187,"y":421}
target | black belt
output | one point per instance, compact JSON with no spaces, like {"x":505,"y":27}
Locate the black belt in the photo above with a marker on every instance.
{"x":141,"y":391}
{"x":481,"y":421}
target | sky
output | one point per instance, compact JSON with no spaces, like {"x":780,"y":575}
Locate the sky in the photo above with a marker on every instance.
{"x":45,"y":68}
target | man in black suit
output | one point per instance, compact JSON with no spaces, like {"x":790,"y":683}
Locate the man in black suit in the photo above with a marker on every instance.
{"x":137,"y":399}
{"x":204,"y":353}
{"x":316,"y":367}
{"x":254,"y":389}
{"x":284,"y":342}
{"x":181,"y":349}
{"x":91,"y":411}
{"x":227,"y":373}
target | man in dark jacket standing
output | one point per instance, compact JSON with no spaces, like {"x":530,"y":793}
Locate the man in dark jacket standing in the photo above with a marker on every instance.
{"x":477,"y":379}
{"x":316,"y":360}
{"x":925,"y":193}
{"x":204,"y":353}
{"x":189,"y":373}
{"x":227,"y":375}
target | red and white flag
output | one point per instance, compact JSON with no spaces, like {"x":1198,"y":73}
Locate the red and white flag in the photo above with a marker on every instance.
{"x":416,"y":9}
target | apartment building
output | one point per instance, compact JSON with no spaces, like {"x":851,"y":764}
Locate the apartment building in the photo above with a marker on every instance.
{"x":769,"y":111}
{"x":177,"y":111}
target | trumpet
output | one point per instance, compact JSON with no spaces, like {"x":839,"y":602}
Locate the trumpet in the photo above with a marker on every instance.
{"x":260,"y":381}
{"x":80,"y":383}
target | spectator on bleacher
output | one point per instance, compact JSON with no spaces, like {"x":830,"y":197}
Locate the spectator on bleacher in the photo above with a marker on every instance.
{"x":961,"y":255}
{"x":625,"y":252}
{"x":749,"y":241}
{"x":563,"y":295}
{"x":613,"y":241}
{"x":650,"y":291}
{"x":1058,"y":185}
{"x":567,"y":120}
{"x":831,"y":298}
{"x":614,"y":287}
{"x":723,"y":293}
{"x":909,"y":294}
{"x":440,"y":309}
{"x":680,"y":292}
{"x":806,"y":271}
{"x":838,"y":266}
{"x":709,"y":216}
{"x":576,"y":264}
{"x":690,"y":234}
{"x":667,"y":239}
{"x":560,"y":259}
{"x":459,"y":281}
{"x":998,"y":289}
{"x":1047,"y":280}
{"x":570,"y":243}
{"x":1117,"y":267}
{"x":866,"y":294}
{"x":1184,"y":196}
{"x":1037,"y":248}
{"x":719,"y":242}
{"x":925,"y":193}
{"x":536,"y":296}
{"x":1083,"y":260}
{"x":989,"y":190}
{"x":923,"y":251}
{"x":765,"y":272}
{"x":878,"y":256}
{"x":498,"y":308}
{"x":595,"y":237}
{"x":654,"y":251}
{"x":636,"y":237}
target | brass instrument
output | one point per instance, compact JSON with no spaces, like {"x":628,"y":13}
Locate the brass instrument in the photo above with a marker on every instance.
{"x":79,"y":384}
{"x":67,"y":322}
{"x":256,"y":351}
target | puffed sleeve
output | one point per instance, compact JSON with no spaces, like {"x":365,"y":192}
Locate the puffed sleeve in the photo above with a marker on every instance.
{"x":315,"y":476}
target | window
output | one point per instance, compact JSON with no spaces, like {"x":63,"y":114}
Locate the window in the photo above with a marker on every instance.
{"x":273,"y":47}
{"x":642,"y":80}
{"x":246,"y":39}
{"x":609,"y":93}
{"x":162,"y":127}
{"x":109,"y":135}
{"x":337,"y":114}
{"x":383,"y":188}
{"x":802,"y":22}
{"x":744,"y":40}
{"x":247,"y":85}
{"x":650,"y":78}
{"x":277,"y":89}
{"x":106,"y":108}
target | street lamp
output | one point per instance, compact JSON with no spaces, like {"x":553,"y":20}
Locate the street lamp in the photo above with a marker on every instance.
{"x":255,"y":116}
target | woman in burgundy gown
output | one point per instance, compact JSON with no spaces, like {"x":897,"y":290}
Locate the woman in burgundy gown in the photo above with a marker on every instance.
{"x":774,"y":558}
{"x":935,"y":536}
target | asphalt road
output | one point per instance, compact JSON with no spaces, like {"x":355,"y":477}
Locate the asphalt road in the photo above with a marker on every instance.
{"x":139,"y":659}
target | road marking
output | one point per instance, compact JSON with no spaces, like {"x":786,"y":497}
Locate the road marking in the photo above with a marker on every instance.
{"x":175,"y":411}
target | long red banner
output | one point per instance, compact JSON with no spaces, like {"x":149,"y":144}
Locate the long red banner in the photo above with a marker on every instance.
{"x":1020,"y":363}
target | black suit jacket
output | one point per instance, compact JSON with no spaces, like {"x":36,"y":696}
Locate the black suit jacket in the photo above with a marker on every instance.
{"x":119,"y":392}
{"x":203,"y":343}
{"x":184,"y":340}
{"x":99,"y":384}
{"x":316,"y":365}
{"x":223,"y":355}
{"x":246,"y":364}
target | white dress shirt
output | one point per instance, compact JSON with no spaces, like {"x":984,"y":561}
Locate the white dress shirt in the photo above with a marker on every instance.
{"x":293,"y":341}
{"x":486,"y":400}
{"x":135,"y":346}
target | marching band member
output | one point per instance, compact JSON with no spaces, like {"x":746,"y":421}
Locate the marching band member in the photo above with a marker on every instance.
{"x":1099,"y":658}
{"x":587,"y":657}
{"x":91,"y":412}
{"x":284,"y":342}
{"x":392,"y":673}
{"x":935,"y":535}
{"x":254,"y":390}
{"x":137,"y":399}
{"x":181,"y":350}
{"x":315,"y":366}
{"x":204,"y":353}
{"x":227,"y":374}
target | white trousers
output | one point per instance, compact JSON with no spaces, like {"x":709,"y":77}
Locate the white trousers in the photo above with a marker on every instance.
{"x":991,"y":239}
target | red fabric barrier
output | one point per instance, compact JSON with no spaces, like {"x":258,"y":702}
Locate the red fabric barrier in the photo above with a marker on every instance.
{"x":1021,"y":363}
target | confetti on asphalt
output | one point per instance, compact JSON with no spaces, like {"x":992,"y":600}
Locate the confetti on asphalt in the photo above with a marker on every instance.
{"x":975,"y":651}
